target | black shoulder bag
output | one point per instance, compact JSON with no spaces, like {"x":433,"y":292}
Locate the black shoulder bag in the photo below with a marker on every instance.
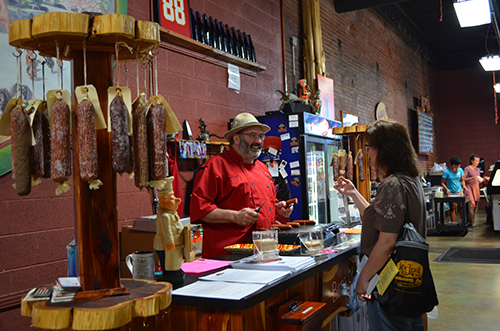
{"x":412,"y":292}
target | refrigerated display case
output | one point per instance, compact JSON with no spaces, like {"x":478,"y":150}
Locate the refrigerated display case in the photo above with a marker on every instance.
{"x":307,"y":145}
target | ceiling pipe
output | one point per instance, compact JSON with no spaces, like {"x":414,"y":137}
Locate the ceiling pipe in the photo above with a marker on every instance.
{"x":344,"y":6}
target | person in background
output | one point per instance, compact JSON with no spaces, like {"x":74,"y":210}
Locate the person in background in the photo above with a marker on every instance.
{"x":472,"y":180}
{"x":454,"y":184}
{"x":234,"y":193}
{"x":400,"y":194}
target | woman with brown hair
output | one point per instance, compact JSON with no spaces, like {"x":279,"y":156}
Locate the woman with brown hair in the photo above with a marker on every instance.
{"x":400,"y":195}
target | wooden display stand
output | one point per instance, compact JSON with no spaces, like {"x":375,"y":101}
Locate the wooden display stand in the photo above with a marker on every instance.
{"x":147,"y":298}
{"x":96,"y":218}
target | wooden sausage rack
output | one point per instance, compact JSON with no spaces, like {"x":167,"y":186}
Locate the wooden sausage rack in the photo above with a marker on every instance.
{"x":65,"y":35}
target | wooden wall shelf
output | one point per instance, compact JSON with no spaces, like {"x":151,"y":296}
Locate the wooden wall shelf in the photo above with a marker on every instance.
{"x":191,"y":44}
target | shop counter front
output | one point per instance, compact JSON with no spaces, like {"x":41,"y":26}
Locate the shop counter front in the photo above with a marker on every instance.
{"x":329,"y":280}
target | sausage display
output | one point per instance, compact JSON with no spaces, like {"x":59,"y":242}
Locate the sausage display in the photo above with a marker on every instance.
{"x":342,"y":162}
{"x":37,"y":166}
{"x":60,"y":142}
{"x":157,"y":140}
{"x":120,"y":148}
{"x":46,"y":139}
{"x":361,"y":165}
{"x":140,"y":143}
{"x":22,"y":158}
{"x":350,"y":167}
{"x":14,"y":115}
{"x":87,"y":140}
{"x":335,"y":165}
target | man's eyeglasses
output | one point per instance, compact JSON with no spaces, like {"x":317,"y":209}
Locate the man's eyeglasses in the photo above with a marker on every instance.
{"x":254,"y":136}
{"x":367,"y":147}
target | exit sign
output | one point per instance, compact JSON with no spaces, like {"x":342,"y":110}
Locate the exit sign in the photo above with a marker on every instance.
{"x":173,"y":15}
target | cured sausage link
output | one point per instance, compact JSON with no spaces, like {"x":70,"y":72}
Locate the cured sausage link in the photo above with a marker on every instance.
{"x":140,"y":142}
{"x":361,"y":166}
{"x":22,"y":159}
{"x":60,"y":142}
{"x":14,"y":115}
{"x":157,"y":138}
{"x":350,"y":167}
{"x":120,"y":147}
{"x":46,"y":141}
{"x":87,"y":140}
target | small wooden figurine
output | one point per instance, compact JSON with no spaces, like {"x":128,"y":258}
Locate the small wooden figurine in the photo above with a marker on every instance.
{"x":172,"y":241}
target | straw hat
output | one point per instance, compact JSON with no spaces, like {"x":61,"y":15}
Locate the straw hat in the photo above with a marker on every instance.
{"x":243,"y":121}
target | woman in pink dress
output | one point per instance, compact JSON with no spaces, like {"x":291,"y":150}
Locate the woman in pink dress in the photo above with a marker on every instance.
{"x":472,"y":180}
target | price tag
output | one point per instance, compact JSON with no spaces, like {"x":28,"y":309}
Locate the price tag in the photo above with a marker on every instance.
{"x":174,"y":16}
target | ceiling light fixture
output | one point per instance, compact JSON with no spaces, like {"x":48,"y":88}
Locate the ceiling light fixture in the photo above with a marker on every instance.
{"x":490,"y":63}
{"x":472,"y":12}
{"x":497,"y":87}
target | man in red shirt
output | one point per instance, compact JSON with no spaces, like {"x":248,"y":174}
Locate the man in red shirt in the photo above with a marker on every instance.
{"x":232,"y":186}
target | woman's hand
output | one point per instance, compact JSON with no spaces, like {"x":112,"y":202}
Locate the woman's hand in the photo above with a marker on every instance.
{"x":345,"y":186}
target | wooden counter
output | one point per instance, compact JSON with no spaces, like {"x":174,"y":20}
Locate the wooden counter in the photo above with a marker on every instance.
{"x":328,"y":281}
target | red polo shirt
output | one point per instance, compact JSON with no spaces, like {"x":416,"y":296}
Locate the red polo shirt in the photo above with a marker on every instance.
{"x":227,"y":182}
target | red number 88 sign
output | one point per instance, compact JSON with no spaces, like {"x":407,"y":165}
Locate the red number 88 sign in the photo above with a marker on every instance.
{"x":174,"y":16}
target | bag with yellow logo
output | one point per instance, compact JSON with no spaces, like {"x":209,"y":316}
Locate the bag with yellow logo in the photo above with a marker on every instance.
{"x":411,"y":293}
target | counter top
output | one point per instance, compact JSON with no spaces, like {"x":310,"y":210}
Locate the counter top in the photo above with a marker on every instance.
{"x":265,"y":293}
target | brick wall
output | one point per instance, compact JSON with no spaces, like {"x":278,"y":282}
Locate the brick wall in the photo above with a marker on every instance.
{"x":467,"y":114}
{"x":369,"y":62}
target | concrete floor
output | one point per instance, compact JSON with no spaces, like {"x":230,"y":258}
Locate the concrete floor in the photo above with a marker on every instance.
{"x":468,"y":293}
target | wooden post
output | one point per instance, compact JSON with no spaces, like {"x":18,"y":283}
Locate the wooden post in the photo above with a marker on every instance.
{"x":96,"y":216}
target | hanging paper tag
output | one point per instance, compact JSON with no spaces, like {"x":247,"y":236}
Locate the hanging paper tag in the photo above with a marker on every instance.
{"x":5,"y":120}
{"x":90,"y":92}
{"x":173,"y":124}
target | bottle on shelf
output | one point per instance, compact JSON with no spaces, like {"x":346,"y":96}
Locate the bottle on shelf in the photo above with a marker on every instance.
{"x":201,"y":29}
{"x":248,"y":56}
{"x":225,"y":42}
{"x":206,"y":30}
{"x":252,"y":49}
{"x":213,"y":36}
{"x":195,"y":30}
{"x":235,"y":42}
{"x":241,"y":46}
{"x":229,"y":41}
{"x":217,"y":38}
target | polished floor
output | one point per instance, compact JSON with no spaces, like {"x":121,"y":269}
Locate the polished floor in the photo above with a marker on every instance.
{"x":469,"y":293}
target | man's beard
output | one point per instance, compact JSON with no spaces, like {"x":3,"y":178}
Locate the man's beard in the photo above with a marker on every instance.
{"x":246,"y":149}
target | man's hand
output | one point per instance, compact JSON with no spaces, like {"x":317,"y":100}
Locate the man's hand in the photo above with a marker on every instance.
{"x":282,"y":210}
{"x":246,"y":217}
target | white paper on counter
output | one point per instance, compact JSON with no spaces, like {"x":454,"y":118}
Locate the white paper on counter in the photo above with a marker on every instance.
{"x":245,"y":276}
{"x":218,"y":290}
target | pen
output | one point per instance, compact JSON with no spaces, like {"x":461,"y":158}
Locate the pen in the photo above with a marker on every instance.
{"x":307,"y":310}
